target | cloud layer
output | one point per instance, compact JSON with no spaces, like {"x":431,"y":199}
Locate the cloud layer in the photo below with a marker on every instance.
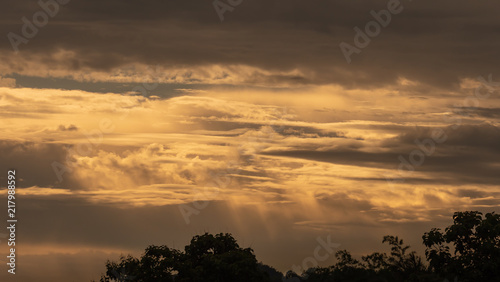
{"x":146,"y":123}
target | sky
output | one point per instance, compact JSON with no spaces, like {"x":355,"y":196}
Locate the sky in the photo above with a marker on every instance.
{"x":284,"y":123}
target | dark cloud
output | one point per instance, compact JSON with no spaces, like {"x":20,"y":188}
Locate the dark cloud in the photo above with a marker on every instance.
{"x":490,"y":113}
{"x":482,"y":137}
{"x":469,"y":154}
{"x":436,"y":44}
{"x":308,"y":132}
{"x":472,"y":193}
{"x":343,"y":201}
{"x":70,"y":127}
{"x":32,"y":162}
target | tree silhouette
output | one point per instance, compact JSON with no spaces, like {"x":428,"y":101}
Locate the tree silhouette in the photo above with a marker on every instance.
{"x":476,"y":243}
{"x":156,"y":264}
{"x":468,"y":250}
{"x":216,"y":258}
{"x":399,"y":265}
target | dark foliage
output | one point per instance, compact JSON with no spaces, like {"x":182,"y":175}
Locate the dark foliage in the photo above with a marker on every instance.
{"x":207,"y":258}
{"x":476,"y":244}
{"x":468,"y":250}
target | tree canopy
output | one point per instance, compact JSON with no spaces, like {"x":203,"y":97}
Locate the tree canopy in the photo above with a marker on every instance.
{"x":476,"y":244}
{"x":468,"y":250}
{"x":208,"y":257}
